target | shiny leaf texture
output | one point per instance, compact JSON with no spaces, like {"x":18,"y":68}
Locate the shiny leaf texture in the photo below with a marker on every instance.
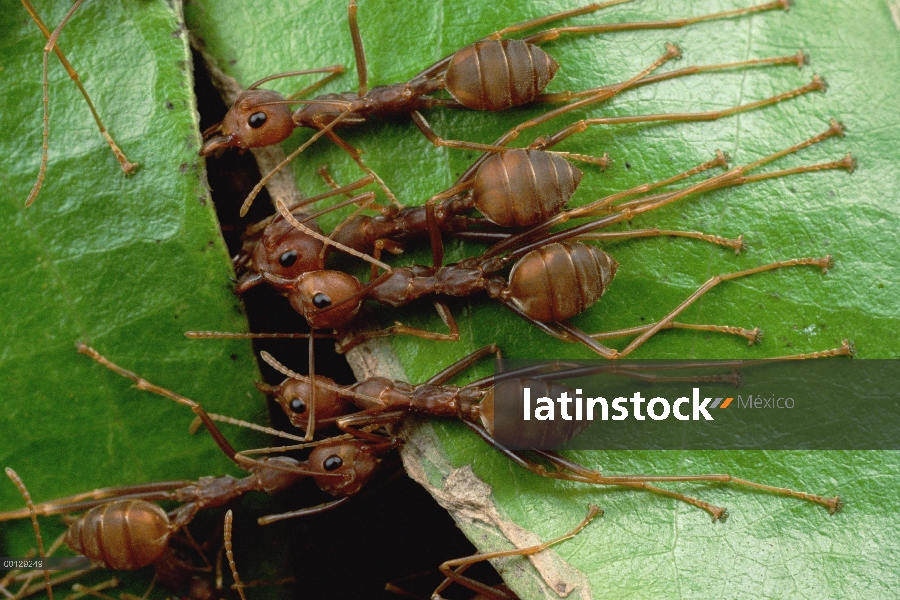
{"x":126,"y":264}
{"x":646,"y":546}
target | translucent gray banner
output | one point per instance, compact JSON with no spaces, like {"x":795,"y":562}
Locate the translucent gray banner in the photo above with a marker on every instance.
{"x":829,"y":404}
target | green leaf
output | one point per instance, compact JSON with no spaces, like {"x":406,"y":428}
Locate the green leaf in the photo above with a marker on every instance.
{"x":645,"y":546}
{"x":126,"y":264}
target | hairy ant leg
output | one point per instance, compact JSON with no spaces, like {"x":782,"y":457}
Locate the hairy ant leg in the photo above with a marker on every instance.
{"x":127,"y":167}
{"x":383,"y":401}
{"x":453,"y":569}
{"x":34,"y":522}
{"x":142,"y":384}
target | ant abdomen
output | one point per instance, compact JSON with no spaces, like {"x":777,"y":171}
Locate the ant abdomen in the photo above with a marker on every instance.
{"x":518,"y":188}
{"x":498,"y":74}
{"x":123,"y":535}
{"x":503,"y":403}
{"x":561,"y":280}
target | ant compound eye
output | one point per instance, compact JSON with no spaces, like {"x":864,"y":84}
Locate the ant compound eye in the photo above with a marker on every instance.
{"x":288,"y":259}
{"x":257,"y":120}
{"x":321,"y":300}
{"x":298,"y":406}
{"x":333,"y":462}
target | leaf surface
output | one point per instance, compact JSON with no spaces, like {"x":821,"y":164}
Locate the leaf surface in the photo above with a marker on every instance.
{"x":126,"y":264}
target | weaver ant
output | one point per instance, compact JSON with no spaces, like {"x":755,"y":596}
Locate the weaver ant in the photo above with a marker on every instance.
{"x":510,"y":187}
{"x":128,"y":167}
{"x":126,"y":535}
{"x":553,"y":278}
{"x":518,"y":73}
{"x":340,"y":467}
{"x":384,"y":401}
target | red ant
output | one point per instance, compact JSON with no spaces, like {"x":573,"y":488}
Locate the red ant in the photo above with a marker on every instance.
{"x":553,"y":278}
{"x":511,"y":188}
{"x":124,"y":535}
{"x":518,"y":71}
{"x":383,"y":401}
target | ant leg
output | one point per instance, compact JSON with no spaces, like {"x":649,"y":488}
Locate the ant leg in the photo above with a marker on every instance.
{"x":464,"y":363}
{"x":327,"y":178}
{"x":80,"y":591}
{"x":376,"y":416}
{"x":848,"y":163}
{"x":162,"y":490}
{"x":751,"y":335}
{"x":359,"y":51}
{"x":833,"y":504}
{"x":799,"y":59}
{"x":671,"y":52}
{"x":142,"y":384}
{"x":823,"y":263}
{"x":330,"y":182}
{"x":379,"y":246}
{"x":569,"y":471}
{"x":603,"y":205}
{"x":229,"y":553}
{"x":575,"y":12}
{"x":816,"y":85}
{"x":97,"y":591}
{"x":603,"y":93}
{"x":356,"y":155}
{"x":127,"y":167}
{"x":569,"y":333}
{"x":552,"y":34}
{"x":453,"y":569}
{"x":736,"y":244}
{"x":731,"y":178}
{"x":326,"y":130}
{"x":401,"y":329}
{"x":34,"y":522}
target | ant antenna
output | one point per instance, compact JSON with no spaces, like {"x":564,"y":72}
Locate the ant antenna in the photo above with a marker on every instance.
{"x":259,"y":186}
{"x":229,"y":335}
{"x":282,"y":208}
{"x":273,"y":362}
{"x":229,"y":517}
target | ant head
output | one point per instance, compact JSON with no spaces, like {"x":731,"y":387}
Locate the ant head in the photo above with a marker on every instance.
{"x":352,"y":459}
{"x":284,"y":252}
{"x":294,"y":395}
{"x":318,"y":291}
{"x":257,"y":118}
